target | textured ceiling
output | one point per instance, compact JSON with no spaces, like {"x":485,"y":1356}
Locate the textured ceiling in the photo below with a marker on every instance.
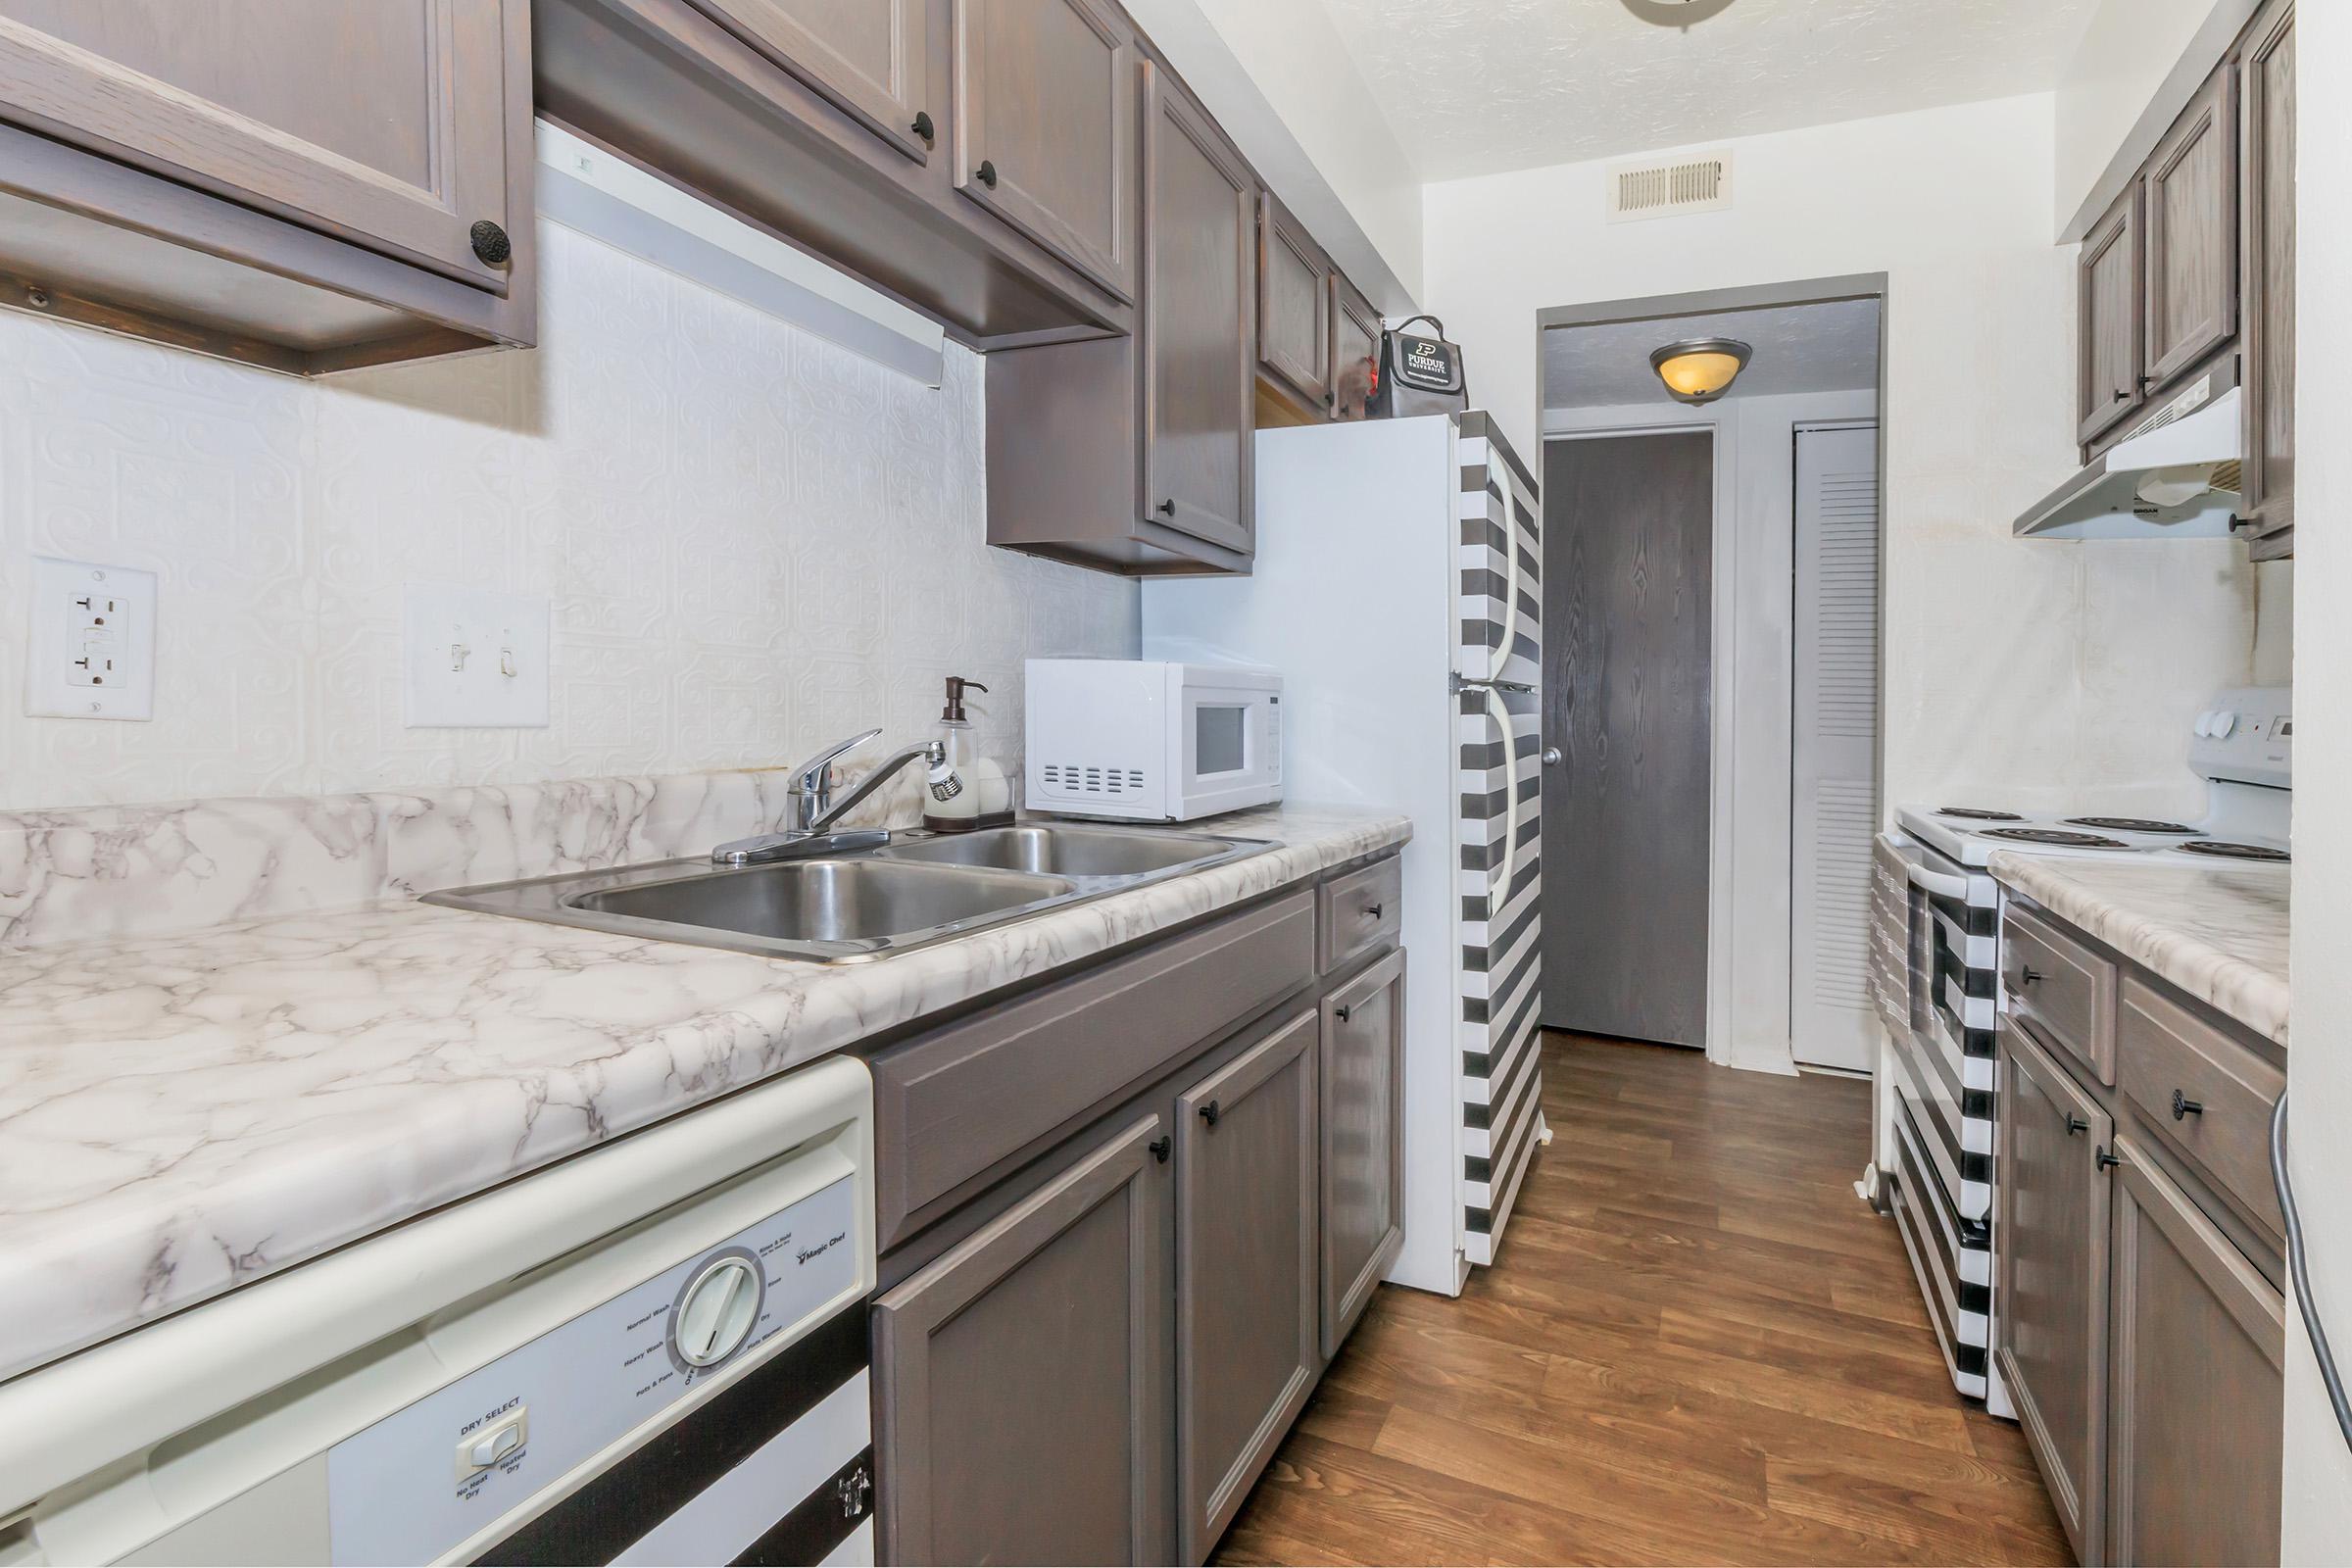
{"x":1798,"y":348}
{"x":1479,"y":86}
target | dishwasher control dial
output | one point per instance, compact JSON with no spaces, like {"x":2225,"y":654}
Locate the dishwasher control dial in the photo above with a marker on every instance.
{"x":717,"y":1311}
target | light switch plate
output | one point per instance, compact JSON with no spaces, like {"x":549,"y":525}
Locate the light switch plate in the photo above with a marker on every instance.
{"x":90,"y":641}
{"x":473,"y":660}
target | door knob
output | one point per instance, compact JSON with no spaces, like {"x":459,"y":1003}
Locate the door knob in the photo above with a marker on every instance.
{"x":923,"y":127}
{"x":1159,"y":1148}
{"x":2027,"y":975}
{"x":2184,"y":1106}
{"x":2107,"y":1160}
{"x":2076,"y":1124}
{"x":490,"y":243}
{"x":1551,"y":757}
{"x":985,"y":173}
{"x":1209,"y":1113}
{"x":1167,"y":508}
{"x":1343,"y":1014}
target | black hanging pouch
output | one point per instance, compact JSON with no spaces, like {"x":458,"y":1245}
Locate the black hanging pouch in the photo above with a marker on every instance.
{"x":1420,"y":372}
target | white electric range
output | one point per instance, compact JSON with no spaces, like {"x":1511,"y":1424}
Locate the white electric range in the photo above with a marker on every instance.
{"x":1936,"y":967}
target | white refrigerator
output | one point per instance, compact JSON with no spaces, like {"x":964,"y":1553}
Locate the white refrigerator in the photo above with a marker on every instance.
{"x":1397,"y":587}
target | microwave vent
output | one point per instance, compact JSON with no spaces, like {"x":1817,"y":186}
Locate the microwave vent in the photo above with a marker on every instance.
{"x":1700,"y":182}
{"x":1071,"y":778}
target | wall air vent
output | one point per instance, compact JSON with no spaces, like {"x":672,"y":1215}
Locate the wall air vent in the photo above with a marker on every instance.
{"x":1700,"y":182}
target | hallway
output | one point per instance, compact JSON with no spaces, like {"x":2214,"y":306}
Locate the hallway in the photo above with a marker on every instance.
{"x":1698,"y":1347}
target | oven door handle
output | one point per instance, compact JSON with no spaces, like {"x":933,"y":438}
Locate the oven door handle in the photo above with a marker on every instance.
{"x":1943,"y":884}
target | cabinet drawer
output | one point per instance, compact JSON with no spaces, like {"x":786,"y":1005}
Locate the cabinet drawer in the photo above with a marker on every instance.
{"x":1361,"y":910}
{"x":2069,"y":988}
{"x":2225,"y":1094}
{"x":951,"y":1105}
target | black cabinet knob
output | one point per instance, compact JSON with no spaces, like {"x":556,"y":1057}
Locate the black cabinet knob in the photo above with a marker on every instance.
{"x":1159,"y":1148}
{"x":2107,"y":1160}
{"x":923,"y":126}
{"x":2184,"y":1106}
{"x":2028,"y":974}
{"x":1167,"y":508}
{"x":490,"y":243}
{"x":1373,"y":909}
{"x":985,"y":173}
{"x":1343,"y":1014}
{"x":1209,"y":1113}
{"x":2076,"y":1124}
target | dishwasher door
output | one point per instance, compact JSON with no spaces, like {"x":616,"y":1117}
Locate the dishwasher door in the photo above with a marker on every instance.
{"x":654,"y":1352}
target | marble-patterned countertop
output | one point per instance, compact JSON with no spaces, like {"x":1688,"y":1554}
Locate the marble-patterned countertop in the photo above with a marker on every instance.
{"x":182,"y":1114}
{"x":2217,"y":932}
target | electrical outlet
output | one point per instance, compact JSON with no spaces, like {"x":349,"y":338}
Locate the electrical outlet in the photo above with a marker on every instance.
{"x":474,"y":659}
{"x":90,"y":647}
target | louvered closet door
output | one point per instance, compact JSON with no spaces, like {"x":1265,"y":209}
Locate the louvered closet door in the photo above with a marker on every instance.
{"x":1833,"y":801}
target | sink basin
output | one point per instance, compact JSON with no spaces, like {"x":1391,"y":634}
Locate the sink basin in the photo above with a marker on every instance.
{"x":825,"y":900}
{"x":1057,"y":850}
{"x":845,"y":907}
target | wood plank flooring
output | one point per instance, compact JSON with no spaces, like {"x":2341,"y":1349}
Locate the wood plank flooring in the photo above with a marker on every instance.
{"x":1698,"y":1347}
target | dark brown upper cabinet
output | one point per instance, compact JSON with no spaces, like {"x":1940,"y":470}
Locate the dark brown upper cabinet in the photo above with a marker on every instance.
{"x":1294,"y":306}
{"x":871,"y":57}
{"x":2189,"y":210}
{"x":1354,"y":350}
{"x":2107,"y":293}
{"x":1198,"y":326}
{"x":2267,"y":491}
{"x":1044,"y":115}
{"x":301,"y":188}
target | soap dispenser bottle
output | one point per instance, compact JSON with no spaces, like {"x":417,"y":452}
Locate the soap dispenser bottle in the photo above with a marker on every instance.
{"x":966,"y":790}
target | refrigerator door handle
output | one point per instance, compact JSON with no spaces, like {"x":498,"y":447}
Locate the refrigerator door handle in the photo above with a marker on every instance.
{"x":1510,"y":798}
{"x":1510,"y":570}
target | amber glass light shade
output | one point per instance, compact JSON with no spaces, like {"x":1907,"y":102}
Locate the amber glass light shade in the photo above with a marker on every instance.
{"x":1700,"y":369}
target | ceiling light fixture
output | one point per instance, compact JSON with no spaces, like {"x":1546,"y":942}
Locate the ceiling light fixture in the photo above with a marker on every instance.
{"x":1700,"y":369}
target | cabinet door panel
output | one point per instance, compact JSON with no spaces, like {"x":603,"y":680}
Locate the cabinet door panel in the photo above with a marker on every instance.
{"x":1354,"y":350}
{"x":1294,"y":305}
{"x":1197,"y":323}
{"x":1246,"y":1270}
{"x":2191,"y":209}
{"x":1362,"y":1140}
{"x":385,"y":124}
{"x":2107,"y":301}
{"x":2269,"y":489}
{"x":2199,"y":1343}
{"x":2052,"y":1309}
{"x":873,"y":57}
{"x":1044,"y":116}
{"x":1023,"y":1387}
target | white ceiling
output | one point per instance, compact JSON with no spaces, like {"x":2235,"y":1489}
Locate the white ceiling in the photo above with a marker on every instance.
{"x":1798,"y":348}
{"x":1479,"y":86}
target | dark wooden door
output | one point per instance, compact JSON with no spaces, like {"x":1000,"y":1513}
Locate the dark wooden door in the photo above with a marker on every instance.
{"x":1044,"y":117}
{"x":382,"y":123}
{"x":2191,"y":208}
{"x":2268,"y":493}
{"x":1022,"y":1404}
{"x":1362,"y":1139}
{"x":2107,"y":286}
{"x":1627,"y":604}
{"x":2199,"y":1344}
{"x":2052,"y":1297}
{"x":1245,"y":1273}
{"x":1294,"y":305}
{"x":871,"y":57}
{"x":1354,"y":350}
{"x":1198,"y":326}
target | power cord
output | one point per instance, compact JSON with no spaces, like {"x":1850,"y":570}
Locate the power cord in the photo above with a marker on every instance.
{"x":2300,"y":1274}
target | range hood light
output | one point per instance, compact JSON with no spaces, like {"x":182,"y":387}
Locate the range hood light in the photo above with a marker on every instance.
{"x":1700,"y":369}
{"x":2175,"y":486}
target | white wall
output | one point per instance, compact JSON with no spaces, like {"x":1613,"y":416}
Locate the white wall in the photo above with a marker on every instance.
{"x":2118,"y":93}
{"x":2037,"y":672}
{"x":1280,"y":79}
{"x":754,"y":542}
{"x":2319,"y":1469}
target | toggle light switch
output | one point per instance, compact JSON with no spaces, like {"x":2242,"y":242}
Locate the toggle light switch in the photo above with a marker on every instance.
{"x":474,"y":659}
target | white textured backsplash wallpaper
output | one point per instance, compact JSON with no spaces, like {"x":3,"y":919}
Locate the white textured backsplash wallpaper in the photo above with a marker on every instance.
{"x":753,"y":542}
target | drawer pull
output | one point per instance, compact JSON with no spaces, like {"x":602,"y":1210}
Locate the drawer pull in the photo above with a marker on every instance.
{"x":2028,"y":974}
{"x":923,"y":127}
{"x":1209,"y":1113}
{"x":1159,"y":1148}
{"x":1373,"y":911}
{"x":2109,"y":1161}
{"x":2184,"y":1106}
{"x":985,"y":173}
{"x":1343,"y":1014}
{"x":2076,"y":1124}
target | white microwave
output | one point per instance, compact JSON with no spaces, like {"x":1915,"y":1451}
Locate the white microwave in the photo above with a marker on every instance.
{"x":1148,"y":740}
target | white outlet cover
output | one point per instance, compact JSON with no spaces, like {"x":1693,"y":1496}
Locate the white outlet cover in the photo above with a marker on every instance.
{"x":89,"y":641}
{"x":473,"y":660}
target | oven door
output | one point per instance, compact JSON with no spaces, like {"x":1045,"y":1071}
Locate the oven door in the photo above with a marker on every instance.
{"x":1950,"y":971}
{"x":1225,"y":740}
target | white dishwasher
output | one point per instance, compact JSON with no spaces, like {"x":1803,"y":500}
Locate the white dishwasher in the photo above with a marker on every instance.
{"x":654,"y":1351}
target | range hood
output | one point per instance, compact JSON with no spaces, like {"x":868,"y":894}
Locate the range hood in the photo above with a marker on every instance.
{"x":2176,"y":477}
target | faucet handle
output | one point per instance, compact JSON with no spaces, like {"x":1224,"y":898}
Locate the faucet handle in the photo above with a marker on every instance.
{"x":810,"y":777}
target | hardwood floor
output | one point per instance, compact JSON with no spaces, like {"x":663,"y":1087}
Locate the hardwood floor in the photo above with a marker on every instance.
{"x":1698,"y":1347}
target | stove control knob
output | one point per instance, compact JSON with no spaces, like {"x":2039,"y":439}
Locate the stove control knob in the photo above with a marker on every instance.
{"x":716,"y":1311}
{"x":2224,"y":722}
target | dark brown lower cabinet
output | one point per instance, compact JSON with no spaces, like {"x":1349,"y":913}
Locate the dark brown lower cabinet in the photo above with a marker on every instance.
{"x":1247,"y":1250}
{"x":1361,"y":1079}
{"x":2197,"y":1363}
{"x":1023,"y":1383}
{"x":2052,"y":1231}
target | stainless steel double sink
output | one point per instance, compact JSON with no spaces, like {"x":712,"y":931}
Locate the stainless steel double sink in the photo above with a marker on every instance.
{"x":840,"y":907}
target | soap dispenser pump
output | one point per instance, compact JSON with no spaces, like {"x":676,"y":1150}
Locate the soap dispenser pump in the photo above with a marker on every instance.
{"x":966,"y":790}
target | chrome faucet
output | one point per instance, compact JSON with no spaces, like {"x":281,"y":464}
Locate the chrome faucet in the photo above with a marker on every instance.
{"x":815,"y":811}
